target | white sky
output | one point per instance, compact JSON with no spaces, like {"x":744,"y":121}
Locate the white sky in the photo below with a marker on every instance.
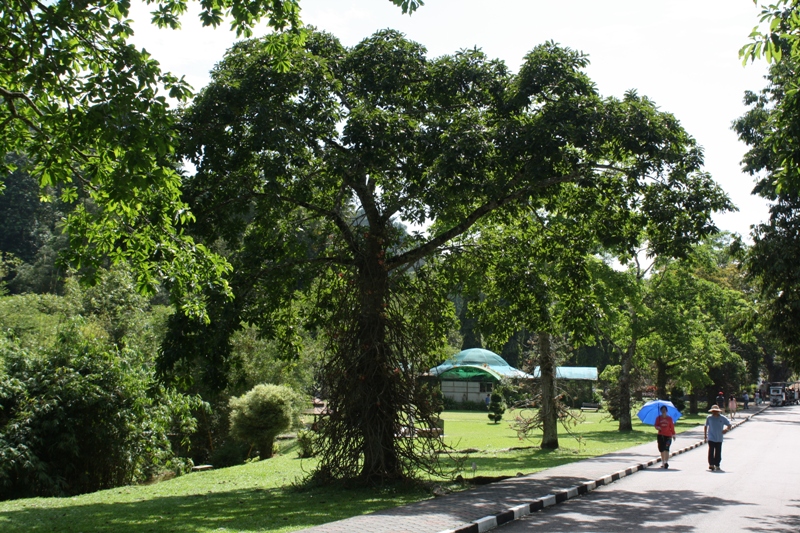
{"x":683,"y":54}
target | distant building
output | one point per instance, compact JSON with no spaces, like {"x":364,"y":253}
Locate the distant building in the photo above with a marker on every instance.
{"x":471,"y":374}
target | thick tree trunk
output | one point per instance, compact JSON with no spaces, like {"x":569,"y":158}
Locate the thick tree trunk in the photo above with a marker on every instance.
{"x":547,"y":379}
{"x":625,"y":388}
{"x":265,"y":447}
{"x":693,"y":403}
{"x":469,"y":333}
{"x":380,"y":407}
{"x":661,"y":380}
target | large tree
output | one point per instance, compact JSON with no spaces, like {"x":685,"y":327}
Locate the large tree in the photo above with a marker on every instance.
{"x":529,"y":268}
{"x":771,"y":127}
{"x":302,"y":175}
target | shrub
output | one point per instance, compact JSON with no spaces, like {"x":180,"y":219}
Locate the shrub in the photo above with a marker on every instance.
{"x":305,"y":440}
{"x":80,"y":417}
{"x":262,"y":414}
{"x":677,"y":399}
{"x":496,"y":407}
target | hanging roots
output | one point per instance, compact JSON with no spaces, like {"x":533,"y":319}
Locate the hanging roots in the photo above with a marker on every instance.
{"x":382,"y":412}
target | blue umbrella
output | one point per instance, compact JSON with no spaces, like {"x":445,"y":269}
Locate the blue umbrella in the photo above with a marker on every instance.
{"x":650,"y":411}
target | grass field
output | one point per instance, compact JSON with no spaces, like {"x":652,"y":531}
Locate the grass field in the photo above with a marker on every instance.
{"x":263,"y":496}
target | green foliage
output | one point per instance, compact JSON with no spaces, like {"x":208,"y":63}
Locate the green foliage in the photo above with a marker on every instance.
{"x":782,"y":35}
{"x":496,"y":407}
{"x":32,"y":320}
{"x":770,"y":128}
{"x":27,"y":222}
{"x":91,"y":112}
{"x":262,"y":414}
{"x":611,"y":395}
{"x":83,"y":416}
{"x":306,"y":444}
{"x":255,"y":359}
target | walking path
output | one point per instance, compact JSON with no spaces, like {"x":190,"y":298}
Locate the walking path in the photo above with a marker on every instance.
{"x":483,"y":508}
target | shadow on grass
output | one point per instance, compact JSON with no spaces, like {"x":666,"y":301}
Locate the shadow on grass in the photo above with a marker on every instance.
{"x":236,"y":510}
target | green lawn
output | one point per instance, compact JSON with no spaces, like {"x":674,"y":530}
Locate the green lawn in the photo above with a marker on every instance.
{"x":473,"y":430}
{"x":261,"y":496}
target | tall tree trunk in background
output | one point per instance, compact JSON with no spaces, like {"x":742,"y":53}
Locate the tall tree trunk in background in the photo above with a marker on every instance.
{"x":547,"y":379}
{"x":661,"y":380}
{"x":470,"y":337}
{"x":693,"y":403}
{"x":624,"y":384}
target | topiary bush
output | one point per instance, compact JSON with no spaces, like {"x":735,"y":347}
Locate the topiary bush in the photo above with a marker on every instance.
{"x":262,"y":414}
{"x":497,"y":407}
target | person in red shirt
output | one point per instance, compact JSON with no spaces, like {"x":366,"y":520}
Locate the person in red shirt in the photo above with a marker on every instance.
{"x":666,"y":432}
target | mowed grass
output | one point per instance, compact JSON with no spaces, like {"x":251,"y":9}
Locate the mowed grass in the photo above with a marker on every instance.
{"x":263,"y":496}
{"x":502,"y":453}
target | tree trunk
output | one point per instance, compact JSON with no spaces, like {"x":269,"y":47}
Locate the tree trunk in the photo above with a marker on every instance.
{"x":625,"y":387}
{"x":547,"y":380}
{"x":661,"y":380}
{"x":469,"y":332}
{"x":693,"y":403}
{"x":265,"y":447}
{"x":381,"y":407}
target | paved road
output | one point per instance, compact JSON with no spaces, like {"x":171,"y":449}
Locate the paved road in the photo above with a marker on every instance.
{"x":758,"y":489}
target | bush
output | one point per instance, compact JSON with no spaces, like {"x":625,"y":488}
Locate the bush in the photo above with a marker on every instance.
{"x":229,"y":452}
{"x":305,"y":440}
{"x":677,"y":399}
{"x":497,"y":407}
{"x":80,"y":417}
{"x":262,"y":414}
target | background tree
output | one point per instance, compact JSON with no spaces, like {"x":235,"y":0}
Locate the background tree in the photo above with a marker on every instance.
{"x":91,"y":112}
{"x":285,"y":159}
{"x":623,"y":322}
{"x":690,"y":321}
{"x":529,"y":269}
{"x":770,"y":128}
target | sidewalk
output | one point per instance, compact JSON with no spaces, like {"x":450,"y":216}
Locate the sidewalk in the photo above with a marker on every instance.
{"x":482,"y":508}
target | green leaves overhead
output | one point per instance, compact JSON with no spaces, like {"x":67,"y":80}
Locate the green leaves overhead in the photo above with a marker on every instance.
{"x":91,"y":112}
{"x":447,"y":139}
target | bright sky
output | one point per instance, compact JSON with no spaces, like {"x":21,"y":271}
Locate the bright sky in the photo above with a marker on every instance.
{"x":683,"y":54}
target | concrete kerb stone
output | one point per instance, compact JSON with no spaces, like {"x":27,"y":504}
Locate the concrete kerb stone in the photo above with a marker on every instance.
{"x":515,"y":513}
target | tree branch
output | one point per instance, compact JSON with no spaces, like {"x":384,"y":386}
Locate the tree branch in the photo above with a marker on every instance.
{"x":423,"y":250}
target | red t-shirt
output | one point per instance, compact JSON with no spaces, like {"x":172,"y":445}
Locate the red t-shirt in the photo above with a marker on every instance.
{"x":665,"y":425}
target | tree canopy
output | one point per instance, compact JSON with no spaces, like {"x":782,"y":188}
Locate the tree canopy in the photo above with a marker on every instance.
{"x":771,"y":128}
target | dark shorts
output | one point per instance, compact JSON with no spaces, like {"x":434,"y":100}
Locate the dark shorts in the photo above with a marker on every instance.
{"x":663,"y":443}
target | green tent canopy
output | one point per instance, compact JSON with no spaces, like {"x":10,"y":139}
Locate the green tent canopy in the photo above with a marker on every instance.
{"x":475,"y":364}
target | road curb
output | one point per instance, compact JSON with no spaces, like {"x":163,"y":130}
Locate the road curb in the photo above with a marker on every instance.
{"x":560,"y":496}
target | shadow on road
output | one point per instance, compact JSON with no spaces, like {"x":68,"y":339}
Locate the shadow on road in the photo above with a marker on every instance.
{"x":654,"y":510}
{"x":784,"y":523}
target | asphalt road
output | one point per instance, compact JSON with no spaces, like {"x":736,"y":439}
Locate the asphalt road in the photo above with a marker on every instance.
{"x":758,"y":489}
